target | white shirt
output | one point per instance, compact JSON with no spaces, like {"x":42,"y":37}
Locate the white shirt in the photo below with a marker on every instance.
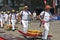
{"x":25,"y":15}
{"x":2,"y":16}
{"x":6,"y":17}
{"x":46,"y":15}
{"x":13,"y":16}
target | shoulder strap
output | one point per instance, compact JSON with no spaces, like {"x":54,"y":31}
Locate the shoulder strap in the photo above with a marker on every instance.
{"x":21,"y":14}
{"x":43,"y":15}
{"x":15,"y":15}
{"x":28,"y":12}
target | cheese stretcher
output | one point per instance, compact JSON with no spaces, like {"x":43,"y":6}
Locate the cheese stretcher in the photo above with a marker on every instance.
{"x":33,"y":34}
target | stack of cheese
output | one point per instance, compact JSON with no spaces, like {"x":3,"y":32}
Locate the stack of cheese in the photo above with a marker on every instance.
{"x":35,"y":32}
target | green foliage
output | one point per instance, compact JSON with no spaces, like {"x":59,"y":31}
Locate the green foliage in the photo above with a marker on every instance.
{"x":20,"y":8}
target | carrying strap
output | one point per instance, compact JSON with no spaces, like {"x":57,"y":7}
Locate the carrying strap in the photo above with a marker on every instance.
{"x":41,"y":19}
{"x":26,"y":11}
{"x":22,"y":13}
{"x":43,"y":15}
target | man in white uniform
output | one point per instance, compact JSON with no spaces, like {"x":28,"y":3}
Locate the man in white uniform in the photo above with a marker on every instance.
{"x":45,"y":21}
{"x":7,"y":17}
{"x":25,"y":17}
{"x":13,"y":19}
{"x":2,"y":18}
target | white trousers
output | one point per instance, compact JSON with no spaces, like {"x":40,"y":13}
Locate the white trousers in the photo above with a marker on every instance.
{"x":2,"y":22}
{"x":46,"y":30}
{"x":25,"y":25}
{"x":13,"y":24}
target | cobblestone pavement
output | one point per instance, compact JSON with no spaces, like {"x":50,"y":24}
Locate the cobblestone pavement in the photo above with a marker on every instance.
{"x":54,"y":30}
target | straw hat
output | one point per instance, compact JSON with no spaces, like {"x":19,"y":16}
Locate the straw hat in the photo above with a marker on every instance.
{"x":8,"y":12}
{"x":13,"y":10}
